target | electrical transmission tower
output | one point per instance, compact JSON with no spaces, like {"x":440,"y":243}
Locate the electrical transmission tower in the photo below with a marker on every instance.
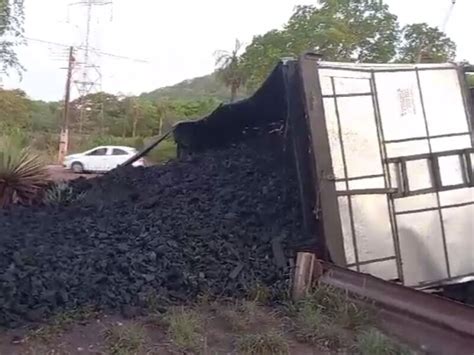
{"x":88,"y":76}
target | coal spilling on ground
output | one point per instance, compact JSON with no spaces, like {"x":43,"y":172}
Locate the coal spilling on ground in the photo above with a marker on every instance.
{"x":215,"y":223}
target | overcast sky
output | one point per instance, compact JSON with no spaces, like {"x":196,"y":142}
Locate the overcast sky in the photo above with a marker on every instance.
{"x":176,"y":37}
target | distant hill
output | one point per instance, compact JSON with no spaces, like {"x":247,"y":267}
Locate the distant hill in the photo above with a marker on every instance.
{"x":203,"y":87}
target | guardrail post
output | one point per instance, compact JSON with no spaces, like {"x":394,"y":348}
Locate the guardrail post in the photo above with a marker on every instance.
{"x":308,"y":270}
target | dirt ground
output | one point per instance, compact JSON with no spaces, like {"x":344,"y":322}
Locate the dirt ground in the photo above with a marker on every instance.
{"x":326,"y":322}
{"x":58,"y":173}
{"x":210,"y":330}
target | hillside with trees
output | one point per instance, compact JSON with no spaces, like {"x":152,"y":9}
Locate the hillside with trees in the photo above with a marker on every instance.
{"x":204,"y":87}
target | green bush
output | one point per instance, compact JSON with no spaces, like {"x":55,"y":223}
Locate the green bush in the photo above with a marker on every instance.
{"x":61,"y":193}
{"x":165,"y":151}
{"x":22,"y":175}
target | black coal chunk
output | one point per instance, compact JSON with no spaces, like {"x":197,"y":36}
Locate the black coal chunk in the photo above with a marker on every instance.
{"x":218,"y":222}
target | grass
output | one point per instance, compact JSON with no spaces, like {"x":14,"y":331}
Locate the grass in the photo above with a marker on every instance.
{"x":243,"y":315}
{"x":259,"y":293}
{"x":340,"y":307}
{"x":165,"y":151}
{"x":233,"y":319}
{"x":328,"y":317}
{"x":327,"y":320}
{"x":184,"y":329}
{"x":61,"y":323}
{"x":125,"y":339}
{"x":239,"y":316}
{"x":373,"y":342}
{"x":262,"y":344}
{"x":315,"y":327}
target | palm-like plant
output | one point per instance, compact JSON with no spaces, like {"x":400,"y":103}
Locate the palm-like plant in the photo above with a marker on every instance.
{"x":22,"y":176}
{"x":229,"y":69}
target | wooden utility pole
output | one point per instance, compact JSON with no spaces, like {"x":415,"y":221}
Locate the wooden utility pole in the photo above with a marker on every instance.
{"x":136,"y":117}
{"x":64,"y":136}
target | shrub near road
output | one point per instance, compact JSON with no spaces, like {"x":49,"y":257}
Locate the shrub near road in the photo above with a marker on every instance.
{"x":22,"y":176}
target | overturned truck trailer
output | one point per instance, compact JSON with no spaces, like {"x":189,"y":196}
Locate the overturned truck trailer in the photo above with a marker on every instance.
{"x":384,"y":159}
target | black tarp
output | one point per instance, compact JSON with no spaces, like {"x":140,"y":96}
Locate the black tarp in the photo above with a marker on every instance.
{"x":233,"y":122}
{"x":277,"y":105}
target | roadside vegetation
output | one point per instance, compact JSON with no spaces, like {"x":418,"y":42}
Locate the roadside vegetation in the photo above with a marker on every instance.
{"x":22,"y":175}
{"x":325,"y":322}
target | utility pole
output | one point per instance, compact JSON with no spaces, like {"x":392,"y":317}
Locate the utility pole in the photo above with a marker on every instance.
{"x":64,"y":136}
{"x":136,"y":115}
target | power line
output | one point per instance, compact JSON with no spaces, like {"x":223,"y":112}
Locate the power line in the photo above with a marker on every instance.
{"x":98,"y":51}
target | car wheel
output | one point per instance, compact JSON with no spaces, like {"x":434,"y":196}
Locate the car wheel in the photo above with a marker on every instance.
{"x":77,"y":167}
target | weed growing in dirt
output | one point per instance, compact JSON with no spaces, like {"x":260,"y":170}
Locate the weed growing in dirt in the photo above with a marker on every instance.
{"x":125,"y":339}
{"x":337,"y":304}
{"x":262,"y":344}
{"x":313,"y":326}
{"x":184,"y":328}
{"x":239,"y":316}
{"x":327,"y":317}
{"x":259,"y":293}
{"x":373,"y":342}
{"x":233,"y":319}
{"x":61,"y":193}
{"x":61,"y":323}
{"x":243,"y":315}
{"x":156,"y":320}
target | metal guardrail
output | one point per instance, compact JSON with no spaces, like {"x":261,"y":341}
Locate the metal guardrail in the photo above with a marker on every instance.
{"x":434,"y":324}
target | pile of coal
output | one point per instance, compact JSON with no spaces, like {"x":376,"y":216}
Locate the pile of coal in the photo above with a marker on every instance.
{"x":216,"y":223}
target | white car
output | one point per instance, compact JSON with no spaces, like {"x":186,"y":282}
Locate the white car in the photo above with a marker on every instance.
{"x":100,"y":159}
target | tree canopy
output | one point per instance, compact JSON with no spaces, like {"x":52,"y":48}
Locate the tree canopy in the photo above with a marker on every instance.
{"x":103,"y":114}
{"x":11,"y":33}
{"x":230,"y":71}
{"x":420,"y":39}
{"x":345,"y":30}
{"x":15,"y":110}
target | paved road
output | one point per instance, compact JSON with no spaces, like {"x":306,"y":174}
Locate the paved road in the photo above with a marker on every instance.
{"x":58,"y":173}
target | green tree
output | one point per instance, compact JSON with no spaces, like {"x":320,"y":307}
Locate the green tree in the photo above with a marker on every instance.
{"x":419,"y":40}
{"x":229,"y":69}
{"x":11,"y":33}
{"x":339,"y":30}
{"x":263,"y":54}
{"x":45,"y":116}
{"x":345,"y":30}
{"x":14,"y":110}
{"x":94,"y":113}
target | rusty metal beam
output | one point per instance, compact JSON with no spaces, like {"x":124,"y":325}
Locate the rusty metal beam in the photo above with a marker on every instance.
{"x":434,"y":324}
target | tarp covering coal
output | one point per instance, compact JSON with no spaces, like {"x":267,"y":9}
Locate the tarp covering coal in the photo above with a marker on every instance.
{"x":265,"y":110}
